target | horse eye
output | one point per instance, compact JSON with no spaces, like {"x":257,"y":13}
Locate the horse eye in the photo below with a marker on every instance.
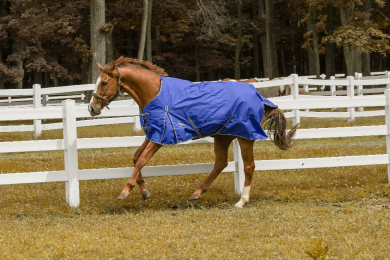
{"x":104,"y":83}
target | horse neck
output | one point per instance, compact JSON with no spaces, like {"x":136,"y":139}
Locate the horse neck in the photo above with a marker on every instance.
{"x":141,"y":85}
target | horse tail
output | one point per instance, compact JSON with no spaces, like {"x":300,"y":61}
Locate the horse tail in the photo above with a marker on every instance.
{"x":276,"y":124}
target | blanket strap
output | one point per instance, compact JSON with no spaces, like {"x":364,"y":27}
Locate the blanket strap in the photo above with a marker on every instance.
{"x":224,"y":125}
{"x":165,"y":120}
{"x":194,"y":126}
{"x":174,"y":130}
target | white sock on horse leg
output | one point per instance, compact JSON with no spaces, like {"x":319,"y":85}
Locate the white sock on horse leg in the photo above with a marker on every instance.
{"x":244,"y":197}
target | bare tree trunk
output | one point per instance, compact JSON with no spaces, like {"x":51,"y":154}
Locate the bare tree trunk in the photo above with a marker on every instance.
{"x":55,"y":78}
{"x":330,"y":47}
{"x":1,"y":61}
{"x":345,"y":15}
{"x":358,"y":61}
{"x":349,"y":60}
{"x":197,"y":62}
{"x":271,"y":42}
{"x":128,"y":43}
{"x":38,"y":78}
{"x":314,"y":57}
{"x":366,"y":69}
{"x":255,"y":40}
{"x":109,"y":47}
{"x":141,"y":48}
{"x":239,"y":41}
{"x":98,"y":40}
{"x":263,"y":41}
{"x":149,"y":33}
{"x":284,"y":71}
{"x":158,"y":47}
{"x":283,"y":61}
{"x":46,"y":82}
{"x":85,"y":25}
{"x":19,"y":65}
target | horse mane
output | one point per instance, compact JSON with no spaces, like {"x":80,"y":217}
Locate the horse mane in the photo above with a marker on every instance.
{"x":134,"y":63}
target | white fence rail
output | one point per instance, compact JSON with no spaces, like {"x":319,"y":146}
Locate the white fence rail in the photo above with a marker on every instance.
{"x":40,"y":97}
{"x":71,"y":175}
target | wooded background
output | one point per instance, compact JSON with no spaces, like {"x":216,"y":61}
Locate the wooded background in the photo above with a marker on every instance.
{"x":58,"y":43}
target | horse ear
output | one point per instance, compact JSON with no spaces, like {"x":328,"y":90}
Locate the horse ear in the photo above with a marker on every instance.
{"x":100,"y":67}
{"x":112,"y":67}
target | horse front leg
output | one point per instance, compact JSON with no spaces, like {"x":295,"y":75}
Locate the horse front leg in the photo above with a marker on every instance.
{"x":140,"y":181}
{"x":149,"y":150}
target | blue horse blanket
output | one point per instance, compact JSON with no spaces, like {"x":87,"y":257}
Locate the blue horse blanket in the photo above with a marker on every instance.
{"x":184,"y":110}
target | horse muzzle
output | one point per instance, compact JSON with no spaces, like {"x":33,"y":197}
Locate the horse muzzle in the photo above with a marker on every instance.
{"x":94,"y":111}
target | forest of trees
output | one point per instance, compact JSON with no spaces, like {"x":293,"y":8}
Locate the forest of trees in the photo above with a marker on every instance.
{"x":57,"y":43}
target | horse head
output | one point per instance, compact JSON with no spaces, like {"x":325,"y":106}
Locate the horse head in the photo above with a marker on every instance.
{"x":107,"y":88}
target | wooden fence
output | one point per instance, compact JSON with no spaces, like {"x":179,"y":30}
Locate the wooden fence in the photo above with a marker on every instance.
{"x":71,"y":175}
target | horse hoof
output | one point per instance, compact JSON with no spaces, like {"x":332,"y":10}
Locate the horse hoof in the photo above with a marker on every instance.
{"x":237,"y":208}
{"x":194,"y":197}
{"x":123,"y":196}
{"x":146,"y":194}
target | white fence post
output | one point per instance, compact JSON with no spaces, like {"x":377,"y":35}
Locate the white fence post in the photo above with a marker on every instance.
{"x":37,"y":104}
{"x":387,"y":75}
{"x":45,"y":99}
{"x":332,"y":87}
{"x":306,"y":88}
{"x":239,"y":175}
{"x":70,"y":153}
{"x":359,"y":89}
{"x":350,"y":92}
{"x":137,"y":123}
{"x":323,"y":76}
{"x":332,"y":91}
{"x":295,"y":93}
{"x":387,"y":117}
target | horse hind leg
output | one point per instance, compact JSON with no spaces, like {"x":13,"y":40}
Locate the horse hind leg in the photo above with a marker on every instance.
{"x":249,"y":167}
{"x":221,"y":146}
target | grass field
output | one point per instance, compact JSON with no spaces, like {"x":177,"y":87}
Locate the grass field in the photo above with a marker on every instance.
{"x":290,"y":211}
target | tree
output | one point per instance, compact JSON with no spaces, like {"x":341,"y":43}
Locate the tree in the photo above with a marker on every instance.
{"x":239,"y":41}
{"x":314,"y":59}
{"x":149,"y":33}
{"x":263,"y":40}
{"x":98,"y":40}
{"x":366,"y":68}
{"x":330,"y":46}
{"x":357,"y":33}
{"x":255,"y":41}
{"x":141,"y":48}
{"x":272,"y":56}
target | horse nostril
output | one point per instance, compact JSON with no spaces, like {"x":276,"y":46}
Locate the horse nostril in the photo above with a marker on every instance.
{"x":91,"y":110}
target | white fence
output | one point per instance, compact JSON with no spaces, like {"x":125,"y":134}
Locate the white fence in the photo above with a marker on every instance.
{"x":51,"y":96}
{"x":71,"y":175}
{"x":44,"y":96}
{"x":39,"y":95}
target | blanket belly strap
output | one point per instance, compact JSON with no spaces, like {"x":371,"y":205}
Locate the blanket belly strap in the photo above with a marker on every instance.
{"x":195,"y":128}
{"x":224,"y":125}
{"x":174,"y":130}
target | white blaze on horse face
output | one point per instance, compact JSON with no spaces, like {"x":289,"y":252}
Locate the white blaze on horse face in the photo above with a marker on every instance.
{"x":244,"y":197}
{"x":96,"y":86}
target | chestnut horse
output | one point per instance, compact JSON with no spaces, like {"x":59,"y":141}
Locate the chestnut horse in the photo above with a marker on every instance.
{"x":141,"y":80}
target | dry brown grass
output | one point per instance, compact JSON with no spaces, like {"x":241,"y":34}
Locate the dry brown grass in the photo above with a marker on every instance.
{"x":347,"y":207}
{"x":266,"y":230}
